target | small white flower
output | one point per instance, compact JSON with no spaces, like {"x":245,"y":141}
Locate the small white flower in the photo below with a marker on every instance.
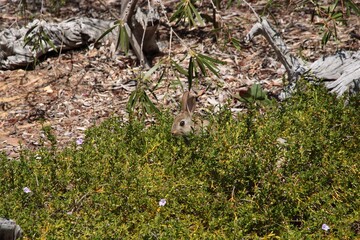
{"x":162,"y":202}
{"x":26,"y":190}
{"x":79,"y":141}
{"x":282,"y":141}
{"x":325,"y":227}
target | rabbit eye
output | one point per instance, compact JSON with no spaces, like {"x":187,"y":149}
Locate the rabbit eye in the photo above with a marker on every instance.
{"x":182,"y":123}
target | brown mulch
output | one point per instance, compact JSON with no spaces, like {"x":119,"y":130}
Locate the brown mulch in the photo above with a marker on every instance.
{"x":81,"y":88}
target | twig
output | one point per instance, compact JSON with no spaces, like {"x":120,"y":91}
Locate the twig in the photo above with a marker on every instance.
{"x":253,"y":10}
{"x":172,"y":31}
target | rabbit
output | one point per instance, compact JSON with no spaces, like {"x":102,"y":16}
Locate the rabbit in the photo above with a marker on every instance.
{"x":183,"y":123}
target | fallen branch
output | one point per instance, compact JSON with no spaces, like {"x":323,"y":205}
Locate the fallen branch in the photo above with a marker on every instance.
{"x":340,"y":72}
{"x":70,"y":34}
{"x":140,"y":26}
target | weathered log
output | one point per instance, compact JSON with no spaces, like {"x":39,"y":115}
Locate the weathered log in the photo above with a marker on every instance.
{"x":141,"y":26}
{"x":9,"y":230}
{"x":340,"y":72}
{"x":70,"y":34}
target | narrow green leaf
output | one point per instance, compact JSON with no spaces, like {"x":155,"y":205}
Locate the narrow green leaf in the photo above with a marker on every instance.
{"x":200,"y":63}
{"x":189,"y":16}
{"x":157,"y":84}
{"x":179,"y":12}
{"x":211,"y":65}
{"x":213,"y":69}
{"x":211,"y":59}
{"x":41,"y":45}
{"x":257,"y":92}
{"x":190,"y":72}
{"x":30,"y":30}
{"x":152,"y":70}
{"x":180,"y":69}
{"x":197,"y":15}
{"x":105,"y":33}
{"x":333,"y":6}
{"x":326,"y":37}
{"x":152,"y":106}
{"x":49,"y":42}
{"x":121,"y":36}
{"x":236,"y":43}
{"x":350,"y":4}
{"x":335,"y":32}
{"x":132,"y":101}
{"x":335,"y":16}
{"x":27,"y":39}
{"x":123,"y":40}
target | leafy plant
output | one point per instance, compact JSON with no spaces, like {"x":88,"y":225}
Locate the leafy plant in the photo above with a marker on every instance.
{"x":38,"y":39}
{"x":123,"y":38}
{"x":330,"y":14}
{"x":139,"y":98}
{"x":253,"y":95}
{"x":198,"y":63}
{"x":49,"y":135}
{"x":186,"y":10}
{"x":293,"y":173}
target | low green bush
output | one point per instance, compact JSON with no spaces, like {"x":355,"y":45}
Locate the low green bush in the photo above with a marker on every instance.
{"x":279,"y":172}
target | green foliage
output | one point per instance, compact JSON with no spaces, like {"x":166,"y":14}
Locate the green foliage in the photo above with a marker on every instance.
{"x":254,"y":95}
{"x":38,"y":39}
{"x":123,"y":38}
{"x":46,"y":129}
{"x":139,"y":104}
{"x":276,"y":174}
{"x":330,"y":14}
{"x":186,"y":10}
{"x":198,"y":63}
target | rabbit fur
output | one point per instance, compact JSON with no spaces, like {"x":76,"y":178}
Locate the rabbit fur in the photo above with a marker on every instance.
{"x":183,"y":123}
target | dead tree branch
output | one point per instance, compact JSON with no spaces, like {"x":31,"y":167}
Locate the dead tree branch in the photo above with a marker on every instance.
{"x":340,"y":72}
{"x":69,"y":34}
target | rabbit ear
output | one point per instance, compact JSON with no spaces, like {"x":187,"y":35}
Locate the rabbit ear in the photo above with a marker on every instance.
{"x":188,"y":103}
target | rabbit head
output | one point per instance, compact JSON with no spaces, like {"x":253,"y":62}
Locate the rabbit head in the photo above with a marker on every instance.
{"x":183,"y":123}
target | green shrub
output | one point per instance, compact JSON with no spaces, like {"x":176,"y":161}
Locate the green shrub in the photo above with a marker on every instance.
{"x":280,"y":172}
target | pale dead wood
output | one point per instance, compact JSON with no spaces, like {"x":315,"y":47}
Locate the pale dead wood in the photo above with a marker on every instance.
{"x":69,"y":34}
{"x":141,"y":26}
{"x":340,"y":72}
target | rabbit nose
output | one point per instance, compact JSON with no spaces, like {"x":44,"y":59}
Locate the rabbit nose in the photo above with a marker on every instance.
{"x":175,"y":132}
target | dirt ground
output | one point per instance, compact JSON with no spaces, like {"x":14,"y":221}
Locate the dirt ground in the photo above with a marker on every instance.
{"x":81,"y":88}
